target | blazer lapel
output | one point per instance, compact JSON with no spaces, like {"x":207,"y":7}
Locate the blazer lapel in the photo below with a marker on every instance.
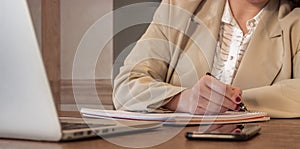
{"x":263,"y":58}
{"x":204,"y":29}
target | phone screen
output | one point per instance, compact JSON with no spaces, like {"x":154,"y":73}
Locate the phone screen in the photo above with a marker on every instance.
{"x":225,"y":132}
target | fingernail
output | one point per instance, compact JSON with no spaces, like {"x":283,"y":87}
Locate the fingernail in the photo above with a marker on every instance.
{"x":238,"y":99}
{"x":237,"y":130}
{"x":238,"y":108}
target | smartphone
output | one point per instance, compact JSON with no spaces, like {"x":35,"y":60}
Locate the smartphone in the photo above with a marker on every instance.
{"x":238,"y":132}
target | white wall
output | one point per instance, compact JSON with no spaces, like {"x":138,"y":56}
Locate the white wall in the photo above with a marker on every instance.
{"x":77,"y":16}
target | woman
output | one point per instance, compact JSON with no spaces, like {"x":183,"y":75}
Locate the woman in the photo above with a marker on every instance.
{"x":250,"y":46}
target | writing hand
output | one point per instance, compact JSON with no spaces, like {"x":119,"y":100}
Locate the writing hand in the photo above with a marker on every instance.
{"x":207,"y":96}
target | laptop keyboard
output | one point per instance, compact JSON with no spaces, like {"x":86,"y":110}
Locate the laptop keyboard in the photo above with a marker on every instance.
{"x":70,"y":126}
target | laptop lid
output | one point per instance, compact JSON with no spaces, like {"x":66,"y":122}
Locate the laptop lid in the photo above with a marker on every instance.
{"x":27,"y":109}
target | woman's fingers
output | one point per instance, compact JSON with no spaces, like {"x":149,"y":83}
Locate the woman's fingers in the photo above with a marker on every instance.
{"x":234,"y":93}
{"x":230,"y":92}
{"x":217,"y":98}
{"x":209,"y":96}
{"x":209,"y":107}
{"x":216,"y":92}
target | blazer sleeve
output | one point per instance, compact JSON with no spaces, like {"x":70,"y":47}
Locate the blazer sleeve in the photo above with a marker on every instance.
{"x":141,"y":84}
{"x":280,"y":100}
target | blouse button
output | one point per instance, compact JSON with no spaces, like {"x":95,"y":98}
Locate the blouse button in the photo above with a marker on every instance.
{"x":252,"y":23}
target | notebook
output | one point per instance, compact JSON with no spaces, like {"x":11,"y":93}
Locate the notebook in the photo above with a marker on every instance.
{"x":179,"y":118}
{"x":27,"y":109}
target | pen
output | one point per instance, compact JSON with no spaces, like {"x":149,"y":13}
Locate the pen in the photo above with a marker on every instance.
{"x":241,"y":105}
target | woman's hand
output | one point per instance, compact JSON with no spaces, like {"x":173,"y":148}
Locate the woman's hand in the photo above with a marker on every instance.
{"x":207,"y":96}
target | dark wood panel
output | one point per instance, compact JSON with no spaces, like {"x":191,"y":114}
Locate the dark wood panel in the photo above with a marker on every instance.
{"x":51,"y":44}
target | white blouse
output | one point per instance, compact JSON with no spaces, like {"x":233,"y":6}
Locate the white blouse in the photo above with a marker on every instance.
{"x":231,"y":46}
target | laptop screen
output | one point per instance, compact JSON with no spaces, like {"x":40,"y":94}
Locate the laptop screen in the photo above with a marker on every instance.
{"x":27,"y":109}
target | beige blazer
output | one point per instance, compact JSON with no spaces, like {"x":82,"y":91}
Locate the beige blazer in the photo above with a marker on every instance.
{"x":179,"y":46}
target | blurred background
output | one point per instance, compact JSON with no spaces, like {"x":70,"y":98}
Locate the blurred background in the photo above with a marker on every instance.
{"x":61,"y":24}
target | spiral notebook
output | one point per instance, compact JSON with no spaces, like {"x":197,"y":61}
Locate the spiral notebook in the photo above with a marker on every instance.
{"x":178,"y":118}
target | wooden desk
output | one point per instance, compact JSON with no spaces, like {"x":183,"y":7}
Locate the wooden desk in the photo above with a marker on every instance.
{"x":278,"y":133}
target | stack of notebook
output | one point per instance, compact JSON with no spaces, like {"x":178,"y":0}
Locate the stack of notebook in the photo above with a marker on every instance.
{"x":179,"y":118}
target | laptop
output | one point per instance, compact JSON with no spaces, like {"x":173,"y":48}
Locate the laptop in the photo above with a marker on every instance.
{"x":27,"y":109}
